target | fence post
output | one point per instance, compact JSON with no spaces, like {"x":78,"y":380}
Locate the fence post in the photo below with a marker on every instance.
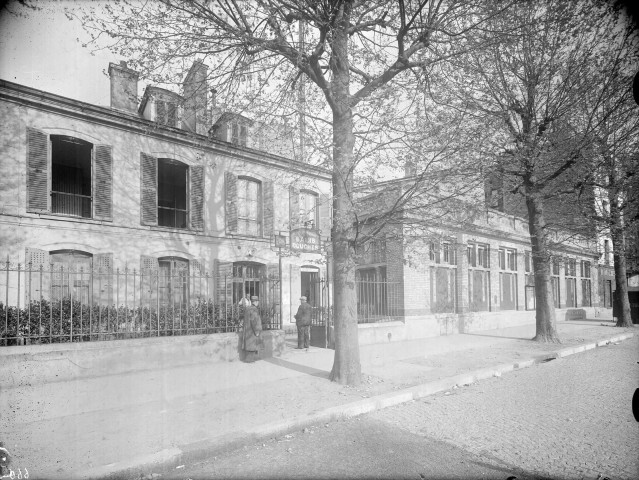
{"x":18,"y":310}
{"x":6,"y":305}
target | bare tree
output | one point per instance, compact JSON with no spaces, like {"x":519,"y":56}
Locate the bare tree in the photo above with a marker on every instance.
{"x":528,"y":86}
{"x":614,"y":161}
{"x":360,"y":59}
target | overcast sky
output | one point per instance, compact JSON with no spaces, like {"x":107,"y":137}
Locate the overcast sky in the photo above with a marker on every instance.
{"x":40,"y":50}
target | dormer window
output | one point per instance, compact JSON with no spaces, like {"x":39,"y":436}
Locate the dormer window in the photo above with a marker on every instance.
{"x":238,"y":134}
{"x":166,"y":113}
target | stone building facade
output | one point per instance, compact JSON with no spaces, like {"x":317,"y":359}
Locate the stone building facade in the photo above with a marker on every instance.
{"x":169,"y":183}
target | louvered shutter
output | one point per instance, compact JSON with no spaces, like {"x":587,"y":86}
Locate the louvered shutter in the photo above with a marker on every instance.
{"x":294,"y":207}
{"x":325,"y":215}
{"x":268,"y":197}
{"x":103,"y":183}
{"x":149,"y":192}
{"x":103,"y":278}
{"x":149,"y":271}
{"x":160,"y":111}
{"x":37,"y":274}
{"x":231,"y":202}
{"x":197,"y":197}
{"x":224,"y":284}
{"x":37,"y":171}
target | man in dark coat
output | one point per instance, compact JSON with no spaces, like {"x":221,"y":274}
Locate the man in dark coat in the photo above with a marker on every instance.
{"x":252,"y":331}
{"x":303,"y":320}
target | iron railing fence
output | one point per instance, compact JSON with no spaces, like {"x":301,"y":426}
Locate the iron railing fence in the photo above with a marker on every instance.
{"x":378,"y":301}
{"x":57,"y":304}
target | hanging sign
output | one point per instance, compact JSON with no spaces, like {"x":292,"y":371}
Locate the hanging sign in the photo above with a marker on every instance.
{"x":304,"y":240}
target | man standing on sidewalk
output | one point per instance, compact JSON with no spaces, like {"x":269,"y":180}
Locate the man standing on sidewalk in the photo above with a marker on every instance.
{"x":303,"y":320}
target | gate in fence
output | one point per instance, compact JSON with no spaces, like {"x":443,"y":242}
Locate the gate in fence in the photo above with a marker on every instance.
{"x":77,"y":302}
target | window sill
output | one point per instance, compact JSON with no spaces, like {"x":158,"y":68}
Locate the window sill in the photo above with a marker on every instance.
{"x":157,"y":228}
{"x":69,"y":218}
{"x":244,"y":236}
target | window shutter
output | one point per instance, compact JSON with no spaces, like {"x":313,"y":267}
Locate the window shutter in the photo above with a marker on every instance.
{"x":224,"y":284}
{"x":149,"y":271}
{"x":197,"y":197}
{"x":37,"y":171}
{"x":231,"y":202}
{"x":37,"y":276}
{"x":160,"y":111}
{"x":325,"y":215}
{"x":294,"y":207}
{"x":149,"y":193}
{"x":103,"y":183}
{"x":268,"y":198}
{"x":103,"y":278}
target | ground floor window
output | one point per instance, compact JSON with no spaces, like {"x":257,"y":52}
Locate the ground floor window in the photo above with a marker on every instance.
{"x":586,"y":300}
{"x":508,"y":290}
{"x":571,"y":292}
{"x":442,"y":290}
{"x":372,"y":292}
{"x":71,"y":277}
{"x":479,"y":290}
{"x":173,"y":281}
{"x":246,"y":280}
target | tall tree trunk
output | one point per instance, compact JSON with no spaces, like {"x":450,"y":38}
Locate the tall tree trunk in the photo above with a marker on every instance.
{"x":545,"y":309}
{"x":346,"y":365}
{"x":619,"y":255}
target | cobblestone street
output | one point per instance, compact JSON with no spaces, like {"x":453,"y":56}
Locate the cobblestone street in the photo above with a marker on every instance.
{"x":569,"y":418}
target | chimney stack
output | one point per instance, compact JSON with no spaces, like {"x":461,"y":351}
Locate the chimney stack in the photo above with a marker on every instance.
{"x":195,"y":102}
{"x":124,"y":87}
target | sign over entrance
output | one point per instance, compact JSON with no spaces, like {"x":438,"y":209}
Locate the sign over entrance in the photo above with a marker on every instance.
{"x":304,"y":240}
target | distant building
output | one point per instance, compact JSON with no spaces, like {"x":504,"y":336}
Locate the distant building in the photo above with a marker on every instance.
{"x":454,"y":276}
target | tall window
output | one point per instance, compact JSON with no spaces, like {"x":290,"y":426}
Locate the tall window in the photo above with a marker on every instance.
{"x":308,"y":209}
{"x":571,"y":282}
{"x":478,"y":276}
{"x":586,"y":287}
{"x":71,"y":192}
{"x":246,"y":280}
{"x":172,"y":194}
{"x":174,"y":282}
{"x":249,"y":211}
{"x":71,"y":276}
{"x":554,"y":279}
{"x":508,"y":279}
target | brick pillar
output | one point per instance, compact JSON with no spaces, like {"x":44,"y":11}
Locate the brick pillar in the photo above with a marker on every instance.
{"x":461,"y":277}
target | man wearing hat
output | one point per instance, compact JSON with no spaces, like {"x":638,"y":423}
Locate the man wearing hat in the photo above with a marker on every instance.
{"x":303,"y":320}
{"x":252,"y":331}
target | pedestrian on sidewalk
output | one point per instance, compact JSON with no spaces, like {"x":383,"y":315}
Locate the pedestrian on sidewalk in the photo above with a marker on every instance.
{"x":303,"y":321}
{"x":251,"y":331}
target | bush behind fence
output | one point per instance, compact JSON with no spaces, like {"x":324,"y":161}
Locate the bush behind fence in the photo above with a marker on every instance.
{"x":72,"y":321}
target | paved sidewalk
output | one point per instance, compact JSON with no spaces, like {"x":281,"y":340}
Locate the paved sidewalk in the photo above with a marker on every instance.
{"x":146,"y":421}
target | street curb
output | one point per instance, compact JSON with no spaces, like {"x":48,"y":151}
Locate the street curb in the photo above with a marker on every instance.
{"x":168,"y":460}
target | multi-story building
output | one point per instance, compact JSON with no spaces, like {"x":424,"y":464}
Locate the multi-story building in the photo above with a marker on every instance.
{"x":162,"y":203}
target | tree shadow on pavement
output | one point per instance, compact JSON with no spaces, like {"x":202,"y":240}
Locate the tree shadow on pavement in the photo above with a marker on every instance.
{"x":314,"y":372}
{"x":497,"y":336}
